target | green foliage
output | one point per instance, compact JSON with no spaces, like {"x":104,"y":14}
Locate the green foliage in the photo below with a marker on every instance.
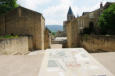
{"x":8,"y":36}
{"x":7,"y":5}
{"x":53,"y":33}
{"x":107,"y":20}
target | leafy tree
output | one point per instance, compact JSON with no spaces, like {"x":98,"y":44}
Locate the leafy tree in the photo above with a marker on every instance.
{"x":107,"y":20}
{"x":54,"y":33}
{"x":7,"y":5}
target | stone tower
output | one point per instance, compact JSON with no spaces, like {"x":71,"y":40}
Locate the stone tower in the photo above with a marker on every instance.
{"x":70,"y":14}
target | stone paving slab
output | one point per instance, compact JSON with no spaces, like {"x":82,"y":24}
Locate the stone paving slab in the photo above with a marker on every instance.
{"x":20,"y":65}
{"x":107,"y":59}
{"x":71,"y":62}
{"x":30,"y":65}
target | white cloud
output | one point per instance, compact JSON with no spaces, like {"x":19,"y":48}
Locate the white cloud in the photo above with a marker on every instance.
{"x":56,"y":14}
{"x":32,"y":4}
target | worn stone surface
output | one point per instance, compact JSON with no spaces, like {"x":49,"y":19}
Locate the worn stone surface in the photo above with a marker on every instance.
{"x":47,"y":39}
{"x":20,"y":65}
{"x":17,"y":46}
{"x":72,"y":33}
{"x":107,"y":59}
{"x":71,"y":62}
{"x":98,"y":43}
{"x":22,"y":21}
{"x":30,"y":65}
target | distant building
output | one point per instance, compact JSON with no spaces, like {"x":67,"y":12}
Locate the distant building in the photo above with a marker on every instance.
{"x":90,"y":19}
{"x":73,"y":27}
{"x":24,"y":22}
{"x":60,"y":34}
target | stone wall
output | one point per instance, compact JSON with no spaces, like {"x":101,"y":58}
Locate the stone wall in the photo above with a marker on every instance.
{"x":98,"y":43}
{"x":22,"y":21}
{"x":47,"y":40}
{"x":30,"y":43}
{"x":14,"y":46}
{"x":72,"y":33}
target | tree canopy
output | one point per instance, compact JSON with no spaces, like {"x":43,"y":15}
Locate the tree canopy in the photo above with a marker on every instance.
{"x":107,"y":20}
{"x":7,"y":5}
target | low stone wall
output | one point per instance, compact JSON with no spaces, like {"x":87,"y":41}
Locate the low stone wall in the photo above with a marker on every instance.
{"x":98,"y":43}
{"x":57,"y":42}
{"x":14,"y":46}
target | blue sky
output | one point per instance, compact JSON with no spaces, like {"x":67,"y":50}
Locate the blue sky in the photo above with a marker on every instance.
{"x":55,"y":11}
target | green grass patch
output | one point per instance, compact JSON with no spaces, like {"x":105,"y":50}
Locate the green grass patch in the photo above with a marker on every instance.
{"x":8,"y":36}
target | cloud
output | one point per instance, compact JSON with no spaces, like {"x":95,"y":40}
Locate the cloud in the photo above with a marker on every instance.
{"x":55,"y":11}
{"x":32,"y":4}
{"x":58,"y":13}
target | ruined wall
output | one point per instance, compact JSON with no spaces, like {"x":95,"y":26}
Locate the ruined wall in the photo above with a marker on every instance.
{"x":42,"y":32}
{"x":68,"y":33}
{"x":14,"y":46}
{"x":98,"y":43}
{"x":72,"y":34}
{"x":47,"y":40}
{"x":22,"y":21}
{"x":30,"y":43}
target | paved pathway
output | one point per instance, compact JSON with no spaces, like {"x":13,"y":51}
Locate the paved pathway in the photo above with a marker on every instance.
{"x":20,"y":65}
{"x":30,"y":65}
{"x":71,"y":62}
{"x":54,"y":46}
{"x":107,"y":59}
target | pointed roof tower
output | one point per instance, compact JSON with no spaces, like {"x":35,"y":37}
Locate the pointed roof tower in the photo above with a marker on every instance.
{"x":70,"y":12}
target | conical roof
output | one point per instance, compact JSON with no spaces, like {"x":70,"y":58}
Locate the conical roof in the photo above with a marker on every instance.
{"x":70,"y":12}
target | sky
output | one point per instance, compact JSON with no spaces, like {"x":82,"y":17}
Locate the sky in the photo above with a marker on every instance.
{"x":55,"y":11}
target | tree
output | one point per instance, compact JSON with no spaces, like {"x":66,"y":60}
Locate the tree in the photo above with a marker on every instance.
{"x":107,"y":20}
{"x":53,"y":33}
{"x":7,"y":5}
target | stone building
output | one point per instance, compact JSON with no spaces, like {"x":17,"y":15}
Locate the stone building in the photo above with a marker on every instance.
{"x":74,"y":26}
{"x":24,"y":22}
{"x":60,"y":34}
{"x":90,"y":19}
